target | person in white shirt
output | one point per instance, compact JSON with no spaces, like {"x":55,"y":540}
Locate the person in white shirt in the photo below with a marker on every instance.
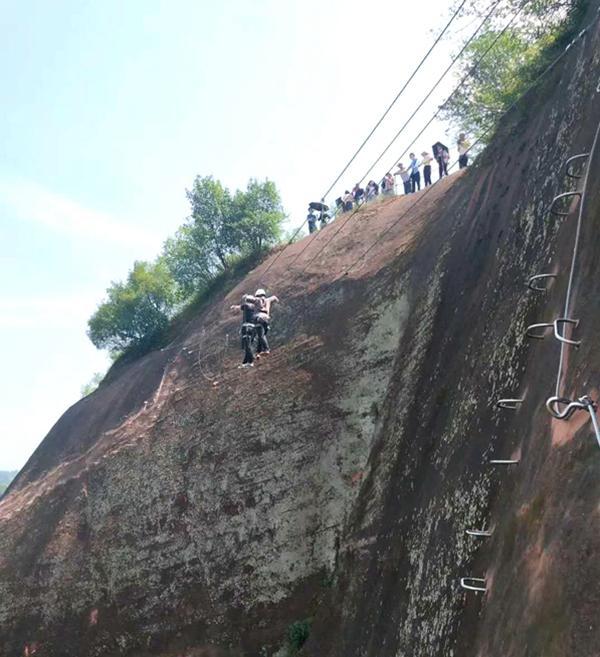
{"x":426,"y":160}
{"x":415,"y":174}
{"x":263,"y":315}
{"x":404,"y":176}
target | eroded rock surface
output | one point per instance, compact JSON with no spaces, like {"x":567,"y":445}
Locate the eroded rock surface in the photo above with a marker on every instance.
{"x":189,"y":508}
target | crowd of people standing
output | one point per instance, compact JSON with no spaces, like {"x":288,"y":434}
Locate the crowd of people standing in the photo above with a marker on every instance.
{"x":406,"y":179}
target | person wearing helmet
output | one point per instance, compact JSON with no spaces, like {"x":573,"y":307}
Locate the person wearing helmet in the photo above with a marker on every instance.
{"x":262,"y":318}
{"x":248,"y":331}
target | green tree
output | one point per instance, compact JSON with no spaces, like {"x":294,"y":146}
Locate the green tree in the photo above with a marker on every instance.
{"x":135,"y":312}
{"x":92,"y":384}
{"x":189,"y":260}
{"x":499,"y":79}
{"x":221,"y":228}
{"x":503,"y":63}
{"x":211,"y":218}
{"x":257,"y":217}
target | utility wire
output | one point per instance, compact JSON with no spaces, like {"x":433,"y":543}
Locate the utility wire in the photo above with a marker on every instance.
{"x":424,"y":58}
{"x":368,"y":137}
{"x":486,"y":131}
{"x":458,"y":86}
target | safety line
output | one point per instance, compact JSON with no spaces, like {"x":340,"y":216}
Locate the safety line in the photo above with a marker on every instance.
{"x":509,"y":109}
{"x":335,"y":182}
{"x":297,"y":231}
{"x":576,"y":251}
{"x":454,"y":60}
{"x":471,"y":71}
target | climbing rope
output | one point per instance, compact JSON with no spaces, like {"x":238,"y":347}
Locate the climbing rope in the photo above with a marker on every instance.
{"x":582,"y":205}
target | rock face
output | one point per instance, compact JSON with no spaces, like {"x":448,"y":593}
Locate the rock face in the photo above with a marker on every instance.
{"x":190,"y":508}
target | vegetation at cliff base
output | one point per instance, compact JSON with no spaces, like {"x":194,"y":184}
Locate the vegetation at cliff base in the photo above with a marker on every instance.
{"x":224,"y":230}
{"x":297,"y":635}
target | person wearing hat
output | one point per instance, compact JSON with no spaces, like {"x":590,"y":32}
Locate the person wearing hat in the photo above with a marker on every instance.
{"x":263,"y":316}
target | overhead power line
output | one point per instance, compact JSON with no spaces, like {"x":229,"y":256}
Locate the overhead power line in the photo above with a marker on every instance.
{"x":406,"y":123}
{"x":486,"y":131}
{"x":391,"y":105}
{"x":368,"y":137}
{"x":469,"y":73}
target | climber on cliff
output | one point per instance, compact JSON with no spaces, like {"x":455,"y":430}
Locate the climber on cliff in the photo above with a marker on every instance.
{"x":263,"y":316}
{"x":249,"y":309}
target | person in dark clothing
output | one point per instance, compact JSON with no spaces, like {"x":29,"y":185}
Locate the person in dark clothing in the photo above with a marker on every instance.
{"x":248,"y":330}
{"x":442,"y":157}
{"x":312,"y":221}
{"x":358,"y":192}
{"x":464,"y":147}
{"x":324,"y":218}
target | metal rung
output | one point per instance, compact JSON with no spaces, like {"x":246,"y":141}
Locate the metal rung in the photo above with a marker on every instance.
{"x":559,"y":336}
{"x":539,"y":331}
{"x":583,"y":403}
{"x":509,"y":404}
{"x":562,"y":213}
{"x":568,"y":163}
{"x":503,"y":461}
{"x":479,"y":532}
{"x":539,"y":277}
{"x":476,"y":584}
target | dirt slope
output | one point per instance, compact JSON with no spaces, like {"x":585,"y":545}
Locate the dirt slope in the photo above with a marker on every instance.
{"x":190,"y":508}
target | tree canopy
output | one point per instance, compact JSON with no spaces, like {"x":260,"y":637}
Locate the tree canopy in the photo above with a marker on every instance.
{"x":504,"y":61}
{"x":221,"y":228}
{"x":136,"y":311}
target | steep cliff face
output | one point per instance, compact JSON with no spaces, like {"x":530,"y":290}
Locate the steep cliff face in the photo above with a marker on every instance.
{"x":189,"y":508}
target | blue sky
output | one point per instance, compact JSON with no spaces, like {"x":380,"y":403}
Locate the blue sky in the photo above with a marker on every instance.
{"x":109,"y":110}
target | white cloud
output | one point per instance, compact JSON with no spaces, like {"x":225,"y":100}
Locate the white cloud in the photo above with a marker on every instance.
{"x":31,"y":202}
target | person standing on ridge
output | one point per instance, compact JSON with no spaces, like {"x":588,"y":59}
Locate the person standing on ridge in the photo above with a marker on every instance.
{"x":463,"y":150}
{"x":426,"y":161}
{"x":358,"y":193}
{"x":312,"y":221}
{"x":248,"y":330}
{"x":405,"y":177}
{"x":348,"y":201}
{"x":324,"y":217}
{"x":263,"y":317}
{"x":442,"y":156}
{"x":415,"y":175}
{"x":387,"y":184}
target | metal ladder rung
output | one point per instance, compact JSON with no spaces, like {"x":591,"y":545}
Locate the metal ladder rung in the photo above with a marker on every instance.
{"x":539,"y":277}
{"x":476,"y":584}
